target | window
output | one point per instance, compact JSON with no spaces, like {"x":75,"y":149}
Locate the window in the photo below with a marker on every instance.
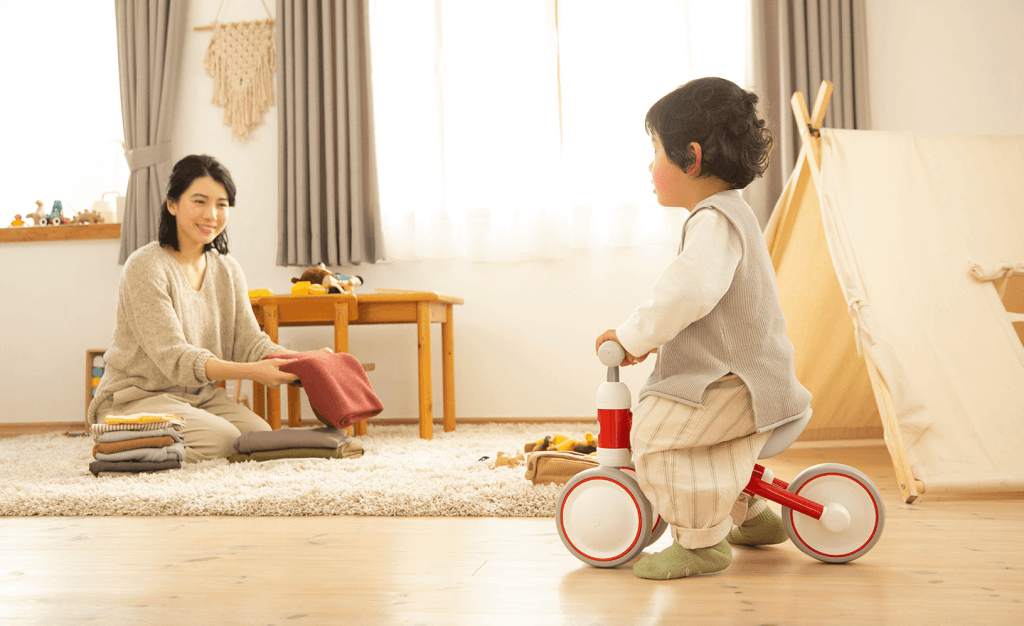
{"x":60,"y":107}
{"x":515,"y":130}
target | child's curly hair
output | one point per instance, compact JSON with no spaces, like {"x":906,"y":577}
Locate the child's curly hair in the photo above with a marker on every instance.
{"x":721,"y":117}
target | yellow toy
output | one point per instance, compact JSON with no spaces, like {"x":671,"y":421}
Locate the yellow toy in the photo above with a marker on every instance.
{"x":564,"y":444}
{"x":305,"y":288}
{"x":260,"y":293}
{"x":17,"y":221}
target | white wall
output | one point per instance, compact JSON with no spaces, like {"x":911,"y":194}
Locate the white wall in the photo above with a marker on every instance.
{"x":523,"y":341}
{"x":946,"y":66}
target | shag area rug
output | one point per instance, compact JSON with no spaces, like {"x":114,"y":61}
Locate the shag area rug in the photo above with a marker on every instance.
{"x":399,"y":475}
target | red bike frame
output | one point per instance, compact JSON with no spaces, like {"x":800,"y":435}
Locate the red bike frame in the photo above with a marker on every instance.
{"x":775,"y":491}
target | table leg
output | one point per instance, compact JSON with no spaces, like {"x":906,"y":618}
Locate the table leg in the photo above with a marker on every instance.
{"x":341,"y":345}
{"x":448,"y":368}
{"x":341,"y":326}
{"x":294,"y":406}
{"x":423,"y":352}
{"x":270,"y":318}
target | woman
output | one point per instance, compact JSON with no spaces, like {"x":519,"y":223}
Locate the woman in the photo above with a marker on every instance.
{"x":184,"y":321}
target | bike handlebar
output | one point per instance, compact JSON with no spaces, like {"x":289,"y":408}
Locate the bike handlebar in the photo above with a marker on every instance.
{"x":611,"y":353}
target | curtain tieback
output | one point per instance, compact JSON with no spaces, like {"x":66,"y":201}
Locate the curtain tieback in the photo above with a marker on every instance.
{"x":147,"y":156}
{"x":997,"y":271}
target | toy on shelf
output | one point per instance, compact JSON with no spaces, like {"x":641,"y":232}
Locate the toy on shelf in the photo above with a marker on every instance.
{"x":332,"y":283}
{"x":95,"y":365}
{"x":98,"y":367}
{"x":88,"y":217}
{"x":17,"y":220}
{"x":56,"y":215}
{"x":39,"y":217}
{"x":260,"y":293}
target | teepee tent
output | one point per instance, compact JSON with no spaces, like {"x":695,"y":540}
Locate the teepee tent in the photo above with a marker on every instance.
{"x":900,"y":264}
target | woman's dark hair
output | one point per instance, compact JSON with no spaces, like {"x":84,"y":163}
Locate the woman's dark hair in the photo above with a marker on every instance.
{"x":721,"y":117}
{"x":185,"y":171}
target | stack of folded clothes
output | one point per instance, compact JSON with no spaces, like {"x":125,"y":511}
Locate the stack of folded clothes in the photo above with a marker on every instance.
{"x":295,"y":443}
{"x":142,"y":442}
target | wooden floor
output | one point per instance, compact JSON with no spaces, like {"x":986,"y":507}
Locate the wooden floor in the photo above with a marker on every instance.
{"x":942,"y":561}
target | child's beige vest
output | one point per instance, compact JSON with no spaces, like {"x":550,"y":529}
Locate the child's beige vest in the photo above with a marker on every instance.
{"x":744,"y":334}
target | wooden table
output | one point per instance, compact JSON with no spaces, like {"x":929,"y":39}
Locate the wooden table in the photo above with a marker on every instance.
{"x":382,"y":307}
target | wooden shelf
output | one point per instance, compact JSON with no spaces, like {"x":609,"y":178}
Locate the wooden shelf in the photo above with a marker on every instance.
{"x":60,"y":233}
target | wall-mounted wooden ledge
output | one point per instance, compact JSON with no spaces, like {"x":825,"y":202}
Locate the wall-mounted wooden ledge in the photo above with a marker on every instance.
{"x":60,"y":233}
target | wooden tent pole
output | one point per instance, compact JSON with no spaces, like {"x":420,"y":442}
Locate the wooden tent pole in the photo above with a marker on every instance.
{"x":909,"y":486}
{"x":809,"y":123}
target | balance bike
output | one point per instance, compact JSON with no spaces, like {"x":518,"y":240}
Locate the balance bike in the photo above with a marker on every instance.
{"x":832,"y":512}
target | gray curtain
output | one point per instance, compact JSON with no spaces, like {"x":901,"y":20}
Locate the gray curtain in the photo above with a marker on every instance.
{"x":150,"y":45}
{"x":794,"y":45}
{"x":328,"y":203}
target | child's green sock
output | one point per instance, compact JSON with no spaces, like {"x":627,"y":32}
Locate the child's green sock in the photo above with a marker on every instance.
{"x":676,"y":561}
{"x":761,"y":530}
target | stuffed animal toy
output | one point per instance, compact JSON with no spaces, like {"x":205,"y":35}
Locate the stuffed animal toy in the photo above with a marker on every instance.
{"x":333,"y":283}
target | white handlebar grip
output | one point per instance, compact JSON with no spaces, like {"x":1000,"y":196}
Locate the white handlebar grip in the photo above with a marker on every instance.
{"x":611,"y":353}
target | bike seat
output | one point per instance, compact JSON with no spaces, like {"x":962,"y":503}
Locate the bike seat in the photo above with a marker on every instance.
{"x":783,"y":436}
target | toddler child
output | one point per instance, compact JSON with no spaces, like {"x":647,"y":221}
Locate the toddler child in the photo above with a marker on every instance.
{"x":724,"y":374}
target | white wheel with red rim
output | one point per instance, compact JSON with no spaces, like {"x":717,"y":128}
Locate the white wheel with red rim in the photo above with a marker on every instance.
{"x":854,"y":513}
{"x":603,"y":518}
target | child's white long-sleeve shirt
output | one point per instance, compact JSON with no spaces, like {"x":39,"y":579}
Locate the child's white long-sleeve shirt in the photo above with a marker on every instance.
{"x":689,"y":287}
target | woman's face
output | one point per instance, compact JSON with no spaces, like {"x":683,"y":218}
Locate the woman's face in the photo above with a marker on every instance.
{"x":201,"y":213}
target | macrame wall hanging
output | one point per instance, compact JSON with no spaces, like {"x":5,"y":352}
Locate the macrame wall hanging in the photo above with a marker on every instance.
{"x":241,"y":59}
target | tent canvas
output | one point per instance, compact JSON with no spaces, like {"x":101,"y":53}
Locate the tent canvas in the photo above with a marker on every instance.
{"x":900,"y":264}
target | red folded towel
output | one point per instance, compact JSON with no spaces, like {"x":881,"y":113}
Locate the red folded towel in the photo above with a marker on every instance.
{"x":337,"y":386}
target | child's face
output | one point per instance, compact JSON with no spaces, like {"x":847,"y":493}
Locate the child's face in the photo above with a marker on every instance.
{"x":671,"y":184}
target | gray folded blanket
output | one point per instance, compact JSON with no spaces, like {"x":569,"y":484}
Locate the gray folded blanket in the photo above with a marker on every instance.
{"x":131,"y":467}
{"x":324,"y":437}
{"x":349,"y":450}
{"x":173,"y":452}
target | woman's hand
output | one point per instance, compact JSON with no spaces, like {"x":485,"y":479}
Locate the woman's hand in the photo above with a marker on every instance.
{"x":268,"y":373}
{"x":610,"y":335}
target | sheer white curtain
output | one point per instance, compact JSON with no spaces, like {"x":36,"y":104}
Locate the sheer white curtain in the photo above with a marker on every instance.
{"x":513,"y":129}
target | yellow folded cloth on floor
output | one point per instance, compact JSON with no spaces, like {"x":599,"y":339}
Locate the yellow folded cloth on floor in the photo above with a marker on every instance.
{"x":142,"y":418}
